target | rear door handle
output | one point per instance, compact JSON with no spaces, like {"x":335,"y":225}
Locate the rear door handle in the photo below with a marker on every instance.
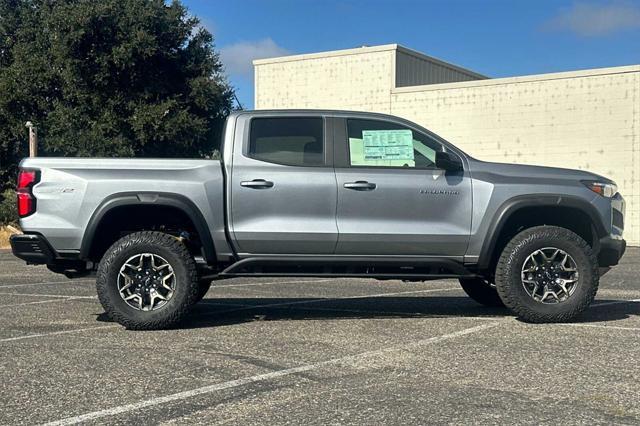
{"x":256,"y":183}
{"x":360,"y":185}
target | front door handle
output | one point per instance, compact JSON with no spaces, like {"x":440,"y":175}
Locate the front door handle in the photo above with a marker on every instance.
{"x":360,"y":185}
{"x":256,"y":183}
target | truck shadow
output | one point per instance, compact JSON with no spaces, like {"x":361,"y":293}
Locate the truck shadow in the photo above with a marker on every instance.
{"x":228,"y":311}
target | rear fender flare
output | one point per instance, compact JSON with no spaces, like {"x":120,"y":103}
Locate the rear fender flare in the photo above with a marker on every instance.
{"x":145,"y":199}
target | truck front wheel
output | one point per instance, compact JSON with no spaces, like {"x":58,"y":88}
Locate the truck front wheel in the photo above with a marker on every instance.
{"x":547,"y":274}
{"x":147,"y":281}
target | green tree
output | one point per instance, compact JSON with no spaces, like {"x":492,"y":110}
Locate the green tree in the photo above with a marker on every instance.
{"x":108,"y":78}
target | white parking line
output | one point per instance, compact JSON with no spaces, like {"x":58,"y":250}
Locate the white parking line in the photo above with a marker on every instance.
{"x":46,"y":295}
{"x":614,"y":302}
{"x":45,"y":283}
{"x":39,"y":302}
{"x":55,"y":333}
{"x":614,"y":327}
{"x":263,"y":377}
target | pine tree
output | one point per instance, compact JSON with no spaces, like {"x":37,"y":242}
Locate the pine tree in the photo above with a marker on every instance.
{"x":108,"y":78}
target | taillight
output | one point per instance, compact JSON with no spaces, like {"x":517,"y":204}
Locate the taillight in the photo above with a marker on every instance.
{"x":26,"y":199}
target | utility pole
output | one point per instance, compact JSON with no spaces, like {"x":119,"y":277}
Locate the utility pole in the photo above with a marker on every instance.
{"x":33,"y":139}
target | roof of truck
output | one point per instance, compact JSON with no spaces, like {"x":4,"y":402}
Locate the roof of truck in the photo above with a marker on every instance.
{"x":297,"y":111}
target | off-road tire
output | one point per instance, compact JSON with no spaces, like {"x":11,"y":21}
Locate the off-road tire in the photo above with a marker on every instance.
{"x":184,"y":267}
{"x":509,"y":269}
{"x":481,"y":291}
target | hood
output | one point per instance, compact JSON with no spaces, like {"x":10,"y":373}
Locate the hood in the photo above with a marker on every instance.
{"x":523,"y":171}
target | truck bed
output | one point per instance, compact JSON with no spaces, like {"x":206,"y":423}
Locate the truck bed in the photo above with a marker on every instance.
{"x":71,"y":190}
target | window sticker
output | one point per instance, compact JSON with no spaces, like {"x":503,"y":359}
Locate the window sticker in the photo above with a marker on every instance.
{"x":383,"y":148}
{"x":388,"y":144}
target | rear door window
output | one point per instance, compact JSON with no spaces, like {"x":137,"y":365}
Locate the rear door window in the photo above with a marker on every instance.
{"x":292,"y":141}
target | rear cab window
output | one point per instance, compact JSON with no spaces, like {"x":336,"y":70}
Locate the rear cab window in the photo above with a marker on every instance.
{"x":291,"y":141}
{"x":377,"y":143}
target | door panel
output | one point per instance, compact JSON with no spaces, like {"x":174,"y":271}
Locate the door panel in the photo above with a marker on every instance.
{"x":410,"y":212}
{"x":392,"y":200}
{"x":282,"y":209}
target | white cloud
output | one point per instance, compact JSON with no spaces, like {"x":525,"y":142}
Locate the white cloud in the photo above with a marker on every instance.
{"x":237,"y":57}
{"x":591,"y":19}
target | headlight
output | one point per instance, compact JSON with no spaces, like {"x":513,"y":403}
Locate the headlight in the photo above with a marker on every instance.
{"x":605,"y":189}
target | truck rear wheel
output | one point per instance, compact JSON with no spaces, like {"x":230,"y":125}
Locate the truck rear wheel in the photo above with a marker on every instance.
{"x":547,"y":274}
{"x":482,"y":291}
{"x":147,"y":281}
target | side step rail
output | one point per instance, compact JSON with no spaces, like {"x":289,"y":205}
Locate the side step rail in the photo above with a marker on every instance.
{"x":418,"y":268}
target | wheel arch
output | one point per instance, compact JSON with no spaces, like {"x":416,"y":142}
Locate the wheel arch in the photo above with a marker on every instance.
{"x":149,"y":199}
{"x":548,"y":204}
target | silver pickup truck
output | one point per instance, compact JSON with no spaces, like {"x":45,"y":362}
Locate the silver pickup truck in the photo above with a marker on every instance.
{"x":320,"y":193}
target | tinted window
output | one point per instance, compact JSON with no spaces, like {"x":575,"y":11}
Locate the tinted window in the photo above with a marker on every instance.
{"x":375,"y":143}
{"x":294,"y":141}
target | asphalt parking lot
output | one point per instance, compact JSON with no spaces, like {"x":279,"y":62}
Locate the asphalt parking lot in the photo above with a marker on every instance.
{"x":316,"y":351}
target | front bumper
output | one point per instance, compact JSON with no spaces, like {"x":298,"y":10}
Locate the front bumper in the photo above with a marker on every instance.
{"x":611,"y":250}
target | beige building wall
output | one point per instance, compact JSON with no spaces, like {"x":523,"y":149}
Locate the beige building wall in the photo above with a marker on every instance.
{"x":586,"y":120}
{"x":348,"y":81}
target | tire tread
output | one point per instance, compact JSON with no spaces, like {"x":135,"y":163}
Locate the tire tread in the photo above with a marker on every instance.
{"x":506,"y":262}
{"x":173,"y":316}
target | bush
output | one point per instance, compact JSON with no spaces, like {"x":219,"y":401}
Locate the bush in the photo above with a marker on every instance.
{"x":8,"y":208}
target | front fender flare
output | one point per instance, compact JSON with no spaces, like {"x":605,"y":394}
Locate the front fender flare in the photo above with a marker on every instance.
{"x":514,"y":204}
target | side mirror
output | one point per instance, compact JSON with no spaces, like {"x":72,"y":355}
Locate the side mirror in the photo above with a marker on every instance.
{"x":448,"y":161}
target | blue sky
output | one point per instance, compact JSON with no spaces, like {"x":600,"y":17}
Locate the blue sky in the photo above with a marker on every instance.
{"x":497,"y":38}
